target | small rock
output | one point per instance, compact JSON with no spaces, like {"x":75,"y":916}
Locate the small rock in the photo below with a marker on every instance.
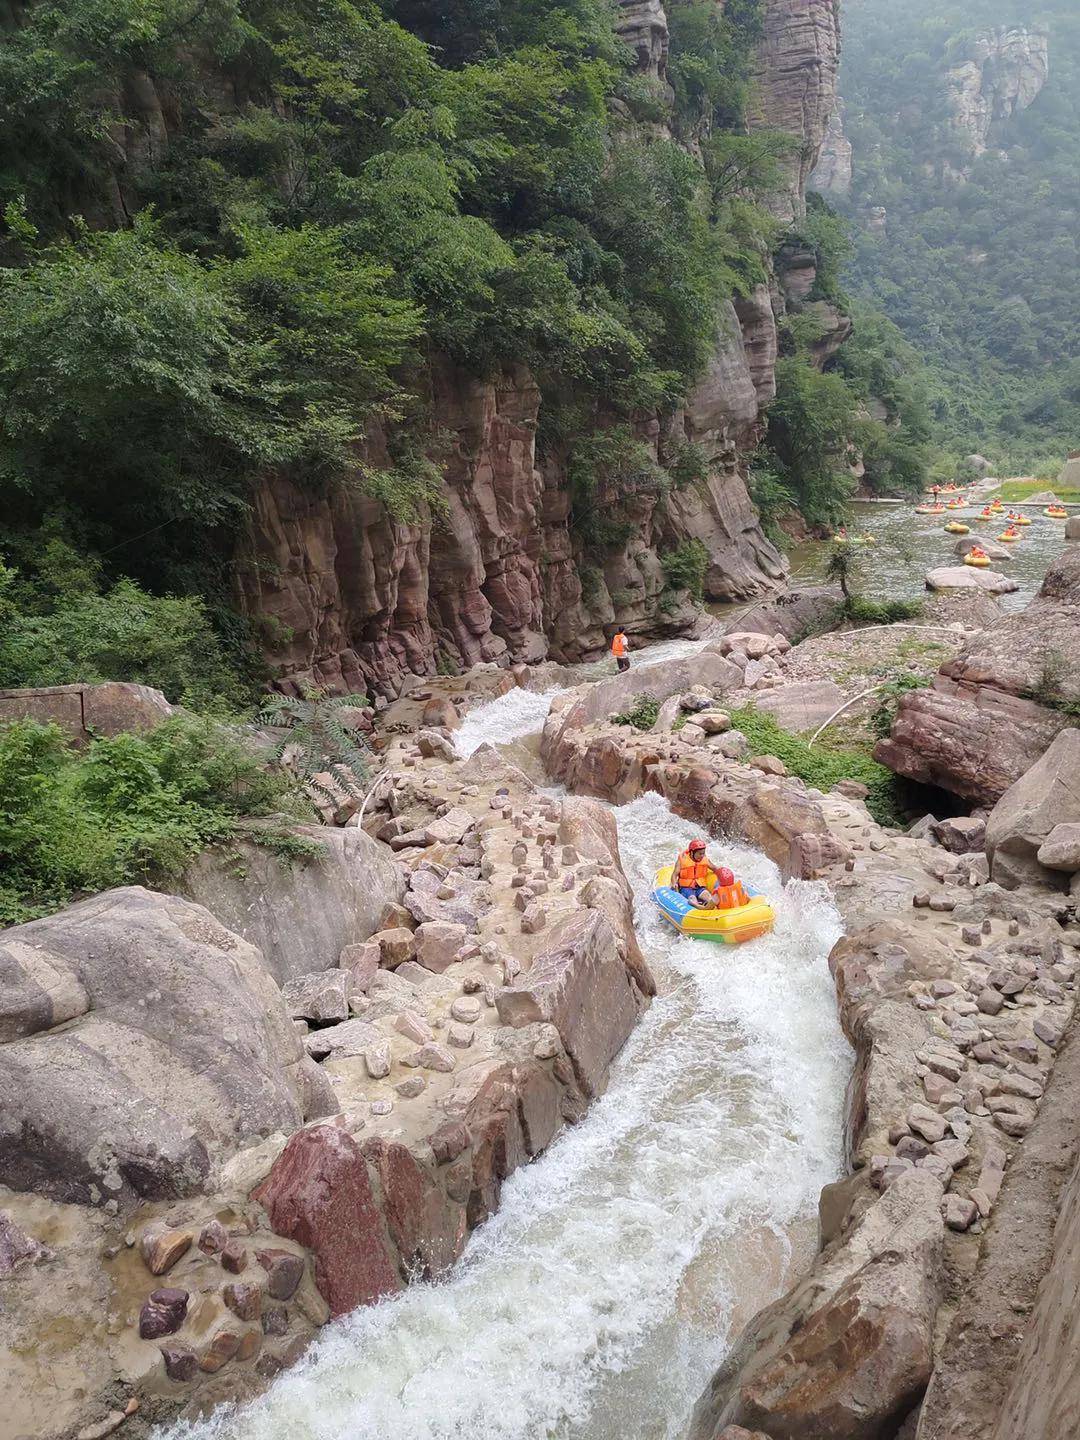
{"x":989,"y":1001}
{"x":434,"y":1057}
{"x":213,"y":1238}
{"x":460,"y":1036}
{"x":1049,"y":1034}
{"x":533,"y":919}
{"x":414,"y":1027}
{"x":959,"y":1213}
{"x":912,"y":1148}
{"x":380,"y":1107}
{"x":161,"y":1247}
{"x":181,"y":1364}
{"x":162,"y":1314}
{"x":284,"y":1272}
{"x":220,"y":1351}
{"x":410,"y":1088}
{"x":234,"y":1257}
{"x":112,"y":1421}
{"x":954,"y":1151}
{"x":941,"y":988}
{"x":275,"y":1320}
{"x":377,"y":1060}
{"x":921,"y":900}
{"x":943,"y":904}
{"x":466,"y":1010}
{"x":244,"y":1299}
{"x":927,"y":1123}
{"x":971,"y":935}
{"x":1011,"y":1084}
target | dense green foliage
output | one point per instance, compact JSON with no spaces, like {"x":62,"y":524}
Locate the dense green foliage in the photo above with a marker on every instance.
{"x":981,"y":274}
{"x":685,"y":567}
{"x":824,"y":764}
{"x":642,"y":714}
{"x":126,"y":810}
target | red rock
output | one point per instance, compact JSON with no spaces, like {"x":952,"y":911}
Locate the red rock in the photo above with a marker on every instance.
{"x":181,"y":1364}
{"x":161,"y":1247}
{"x":162,"y":1314}
{"x":539,"y":1097}
{"x":319,"y":1194}
{"x":221,"y":1349}
{"x":250,"y":1345}
{"x":234,"y":1257}
{"x":244,"y":1299}
{"x":275,"y":1320}
{"x":427,"y":1228}
{"x":213,"y":1238}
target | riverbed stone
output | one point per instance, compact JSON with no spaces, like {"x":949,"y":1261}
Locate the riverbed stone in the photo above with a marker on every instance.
{"x":319,"y":1194}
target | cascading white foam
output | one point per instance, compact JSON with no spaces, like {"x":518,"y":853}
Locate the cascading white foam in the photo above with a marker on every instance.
{"x":518,"y":712}
{"x":599,"y":1299}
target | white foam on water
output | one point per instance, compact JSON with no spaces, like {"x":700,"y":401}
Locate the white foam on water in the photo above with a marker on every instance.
{"x":519,"y":712}
{"x":598,"y":1300}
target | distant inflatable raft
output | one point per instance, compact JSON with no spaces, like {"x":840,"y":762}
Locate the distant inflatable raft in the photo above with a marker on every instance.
{"x":730,"y":927}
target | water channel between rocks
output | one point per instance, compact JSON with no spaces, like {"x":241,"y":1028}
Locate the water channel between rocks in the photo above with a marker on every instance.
{"x":596,"y":1303}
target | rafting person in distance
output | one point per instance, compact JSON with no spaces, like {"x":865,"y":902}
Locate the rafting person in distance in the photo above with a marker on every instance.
{"x":706,"y":887}
{"x":620,"y":648}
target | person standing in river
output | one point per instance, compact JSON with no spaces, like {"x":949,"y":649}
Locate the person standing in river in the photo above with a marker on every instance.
{"x":620,"y":648}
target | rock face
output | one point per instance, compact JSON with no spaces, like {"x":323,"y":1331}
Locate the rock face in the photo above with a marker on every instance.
{"x":367,"y":599}
{"x":107,"y":709}
{"x":978,"y":728}
{"x":1005,"y":71}
{"x":299,"y":916}
{"x":137,"y":1095}
{"x":797,"y":67}
{"x":849,"y":1351}
{"x":834,"y":170}
{"x":1045,"y":799}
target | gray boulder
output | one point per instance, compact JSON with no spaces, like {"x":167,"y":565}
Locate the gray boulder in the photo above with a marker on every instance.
{"x":1061,"y":848}
{"x":300,"y":916}
{"x":1043,"y":799}
{"x":175,"y":1050}
{"x":967,"y":577}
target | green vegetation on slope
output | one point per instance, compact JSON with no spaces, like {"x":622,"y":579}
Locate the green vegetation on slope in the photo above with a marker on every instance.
{"x":983,"y":277}
{"x":128,"y":810}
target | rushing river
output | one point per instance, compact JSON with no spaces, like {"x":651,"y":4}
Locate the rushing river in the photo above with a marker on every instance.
{"x":597,"y":1302}
{"x":908,"y":545}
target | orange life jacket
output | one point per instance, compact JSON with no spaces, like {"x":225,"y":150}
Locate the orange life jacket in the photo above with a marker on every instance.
{"x":729,"y":897}
{"x":698,"y":874}
{"x":618,"y":646}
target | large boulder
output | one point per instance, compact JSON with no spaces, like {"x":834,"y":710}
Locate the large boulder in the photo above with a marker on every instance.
{"x":1045,"y":797}
{"x":849,"y":1351}
{"x":984,"y":721}
{"x":82,"y":710}
{"x":299,"y":915}
{"x":579,"y":984}
{"x":320,"y":1194}
{"x":967,"y":577}
{"x":793,"y":614}
{"x":589,"y":703}
{"x":141,"y":1044}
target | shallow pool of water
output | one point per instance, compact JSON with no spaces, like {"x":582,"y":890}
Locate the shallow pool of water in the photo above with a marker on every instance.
{"x":908,"y":545}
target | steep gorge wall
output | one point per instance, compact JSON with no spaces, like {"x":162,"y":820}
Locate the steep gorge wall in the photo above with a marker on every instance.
{"x":360,"y":599}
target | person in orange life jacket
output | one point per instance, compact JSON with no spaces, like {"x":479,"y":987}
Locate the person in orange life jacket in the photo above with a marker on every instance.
{"x":619,"y":648}
{"x":706,"y":888}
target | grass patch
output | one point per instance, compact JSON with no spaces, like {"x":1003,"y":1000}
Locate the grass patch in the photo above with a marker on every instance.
{"x":131,"y":809}
{"x":824,"y":765}
{"x":1024,"y":489}
{"x":861,"y":611}
{"x":643,"y":714}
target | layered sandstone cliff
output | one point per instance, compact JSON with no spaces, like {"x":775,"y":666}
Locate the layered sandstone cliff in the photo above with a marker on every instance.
{"x":357,"y":600}
{"x":1002,"y":75}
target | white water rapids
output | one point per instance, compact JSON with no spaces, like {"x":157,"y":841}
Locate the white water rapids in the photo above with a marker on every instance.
{"x":599,"y":1299}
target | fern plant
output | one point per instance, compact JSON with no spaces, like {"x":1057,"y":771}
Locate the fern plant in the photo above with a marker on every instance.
{"x":312,"y":739}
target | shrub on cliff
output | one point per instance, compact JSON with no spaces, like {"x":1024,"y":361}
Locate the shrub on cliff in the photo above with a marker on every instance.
{"x":126,"y":810}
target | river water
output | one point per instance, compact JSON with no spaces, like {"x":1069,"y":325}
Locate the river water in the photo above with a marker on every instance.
{"x":908,"y":545}
{"x":597,"y":1302}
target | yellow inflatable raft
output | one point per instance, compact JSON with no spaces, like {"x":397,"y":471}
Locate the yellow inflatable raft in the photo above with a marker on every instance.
{"x":730,"y":927}
{"x":929,"y":509}
{"x":954,"y":527}
{"x":1008,"y":537}
{"x":979,"y":561}
{"x":1056,"y":512}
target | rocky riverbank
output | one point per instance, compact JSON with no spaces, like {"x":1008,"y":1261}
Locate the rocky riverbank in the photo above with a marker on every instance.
{"x":210,"y":1148}
{"x":956,"y":986}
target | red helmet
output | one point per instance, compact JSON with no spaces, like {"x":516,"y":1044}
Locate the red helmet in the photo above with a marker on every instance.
{"x":724,"y":876}
{"x":696,"y":845}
